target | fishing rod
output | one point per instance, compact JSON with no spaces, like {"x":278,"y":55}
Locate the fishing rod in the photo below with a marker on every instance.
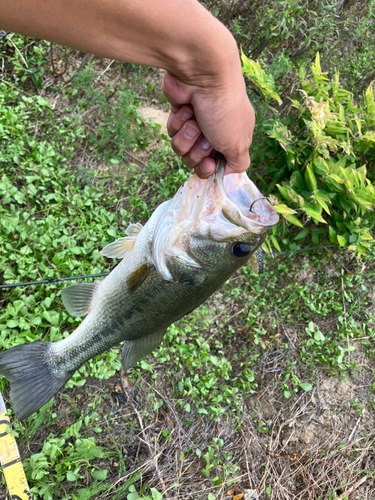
{"x":57,"y":280}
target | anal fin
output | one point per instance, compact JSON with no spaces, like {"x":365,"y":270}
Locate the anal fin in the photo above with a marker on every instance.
{"x":77,"y":298}
{"x":135,"y":350}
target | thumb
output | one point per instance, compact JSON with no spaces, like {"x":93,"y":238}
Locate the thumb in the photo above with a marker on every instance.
{"x":177,"y":92}
{"x":237,"y":163}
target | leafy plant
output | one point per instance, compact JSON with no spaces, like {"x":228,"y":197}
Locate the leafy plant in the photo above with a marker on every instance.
{"x":64,"y":458}
{"x":319,"y":154}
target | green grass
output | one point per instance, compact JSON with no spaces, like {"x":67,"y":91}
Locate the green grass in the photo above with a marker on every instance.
{"x":207,"y":411}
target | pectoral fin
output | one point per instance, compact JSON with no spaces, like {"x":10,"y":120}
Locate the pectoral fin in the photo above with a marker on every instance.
{"x":135,"y":350}
{"x":256,"y":261}
{"x":136,"y":277}
{"x":77,"y":298}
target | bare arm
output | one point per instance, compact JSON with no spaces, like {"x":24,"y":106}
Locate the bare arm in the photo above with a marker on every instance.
{"x":203,"y":82}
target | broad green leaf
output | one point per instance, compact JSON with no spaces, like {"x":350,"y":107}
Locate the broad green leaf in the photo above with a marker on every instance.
{"x":155,"y":494}
{"x":314,"y":214}
{"x":319,"y":336}
{"x":306,"y":387}
{"x":310,"y":179}
{"x":341,"y":240}
{"x":12,"y":323}
{"x":321,"y":166}
{"x":335,"y":128}
{"x":133,"y":496}
{"x":216,"y":481}
{"x":285,"y":193}
{"x":370,"y":104}
{"x":323,"y":204}
{"x":337,"y":178}
{"x":70,"y":476}
{"x":275,"y":243}
{"x":302,"y":234}
{"x":283,"y":209}
{"x":366,"y":236}
{"x":292,"y":219}
{"x":332,"y":235}
{"x":363,"y":200}
{"x":100,"y":475}
{"x":335,"y":167}
{"x":317,"y":68}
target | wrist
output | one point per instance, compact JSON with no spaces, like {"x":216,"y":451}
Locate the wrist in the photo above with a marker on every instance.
{"x":209,"y":61}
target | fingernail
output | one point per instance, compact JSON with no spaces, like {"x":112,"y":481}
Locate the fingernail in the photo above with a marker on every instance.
{"x":190,"y":131}
{"x":187,"y":115}
{"x":204,"y":144}
{"x":206,"y":170}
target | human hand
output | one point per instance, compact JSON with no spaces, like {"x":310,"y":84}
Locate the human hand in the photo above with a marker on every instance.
{"x":206,"y":120}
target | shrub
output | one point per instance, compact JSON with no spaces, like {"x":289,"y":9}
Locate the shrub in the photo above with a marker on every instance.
{"x":321,"y":153}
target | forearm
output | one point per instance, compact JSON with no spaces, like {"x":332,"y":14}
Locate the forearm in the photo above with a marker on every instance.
{"x":177,"y":35}
{"x":210,"y":108}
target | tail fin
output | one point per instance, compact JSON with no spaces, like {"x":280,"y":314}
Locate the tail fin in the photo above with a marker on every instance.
{"x":33,"y":381}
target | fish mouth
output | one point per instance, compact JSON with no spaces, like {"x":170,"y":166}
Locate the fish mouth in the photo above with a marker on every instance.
{"x":237,"y":190}
{"x":230,"y":204}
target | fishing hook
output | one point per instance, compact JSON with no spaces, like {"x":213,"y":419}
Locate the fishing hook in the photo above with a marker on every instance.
{"x":263,"y":198}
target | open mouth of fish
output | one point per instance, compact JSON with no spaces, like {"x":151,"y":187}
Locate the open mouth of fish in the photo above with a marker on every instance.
{"x":228,"y":204}
{"x":221,"y":208}
{"x":255,"y":209}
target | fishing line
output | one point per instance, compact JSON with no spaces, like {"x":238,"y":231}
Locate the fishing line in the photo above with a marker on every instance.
{"x":5,"y":35}
{"x":307,"y":249}
{"x":53,"y":280}
{"x":57,"y":280}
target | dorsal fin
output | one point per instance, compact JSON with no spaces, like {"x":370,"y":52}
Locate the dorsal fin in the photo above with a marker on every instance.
{"x":134,"y":229}
{"x":256,"y":261}
{"x":119,"y":248}
{"x":135,"y":350}
{"x":77,"y":298}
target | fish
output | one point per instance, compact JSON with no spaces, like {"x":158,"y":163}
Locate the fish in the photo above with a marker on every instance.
{"x":187,"y":250}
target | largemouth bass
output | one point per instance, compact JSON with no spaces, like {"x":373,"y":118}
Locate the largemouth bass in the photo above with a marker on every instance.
{"x":188,"y":248}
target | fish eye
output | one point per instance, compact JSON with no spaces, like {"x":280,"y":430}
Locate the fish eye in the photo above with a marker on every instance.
{"x":240,"y":249}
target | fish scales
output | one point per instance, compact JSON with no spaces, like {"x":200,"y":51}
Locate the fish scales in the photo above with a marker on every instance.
{"x":189,"y":247}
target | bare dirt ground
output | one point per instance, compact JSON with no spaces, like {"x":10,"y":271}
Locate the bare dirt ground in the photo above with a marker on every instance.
{"x":315,"y":445}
